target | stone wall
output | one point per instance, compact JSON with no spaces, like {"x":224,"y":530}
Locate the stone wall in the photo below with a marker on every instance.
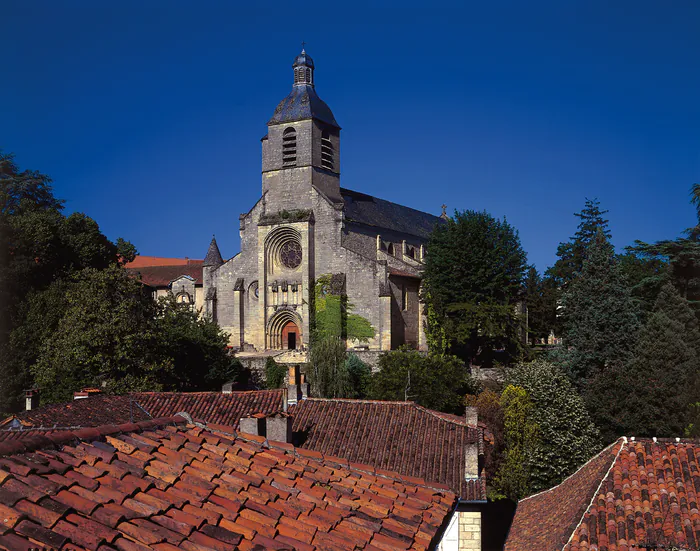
{"x":469,"y":531}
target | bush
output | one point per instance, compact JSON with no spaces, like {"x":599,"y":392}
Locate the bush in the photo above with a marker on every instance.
{"x":274,"y":373}
{"x":359,"y":376}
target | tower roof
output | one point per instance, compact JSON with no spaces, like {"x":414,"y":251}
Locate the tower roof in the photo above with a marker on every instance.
{"x":213,"y":257}
{"x":303,"y":102}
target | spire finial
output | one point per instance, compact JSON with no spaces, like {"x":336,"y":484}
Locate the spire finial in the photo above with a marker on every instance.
{"x":303,"y":47}
{"x":444,"y":212}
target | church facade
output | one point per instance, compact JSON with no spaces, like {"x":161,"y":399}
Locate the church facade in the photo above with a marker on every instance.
{"x":309,"y":243}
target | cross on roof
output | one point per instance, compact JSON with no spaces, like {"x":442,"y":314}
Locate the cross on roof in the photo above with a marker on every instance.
{"x":303,"y":46}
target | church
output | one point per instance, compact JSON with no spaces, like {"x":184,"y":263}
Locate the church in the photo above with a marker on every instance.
{"x":309,"y":243}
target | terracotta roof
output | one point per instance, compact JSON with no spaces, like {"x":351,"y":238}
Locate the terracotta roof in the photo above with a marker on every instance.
{"x":85,"y":412}
{"x":398,"y":436}
{"x":212,"y":407}
{"x":163,"y":485}
{"x":162,"y":276}
{"x":633,"y":495}
{"x":18,"y":434}
{"x":140,"y":261}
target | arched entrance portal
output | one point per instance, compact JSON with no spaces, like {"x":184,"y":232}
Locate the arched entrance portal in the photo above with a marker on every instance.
{"x":284,"y":331}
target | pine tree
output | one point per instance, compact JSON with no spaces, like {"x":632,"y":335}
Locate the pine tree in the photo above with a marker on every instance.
{"x":572,"y":254}
{"x":600,"y":316}
{"x":651,"y":395}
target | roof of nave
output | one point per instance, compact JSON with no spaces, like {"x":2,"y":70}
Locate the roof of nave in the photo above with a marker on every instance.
{"x":635,"y":494}
{"x":165,"y":485}
{"x":372,"y":211}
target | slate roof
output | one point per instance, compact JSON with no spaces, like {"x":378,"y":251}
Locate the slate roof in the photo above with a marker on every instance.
{"x":303,"y":103}
{"x":635,"y":494}
{"x":86,"y":412}
{"x":372,"y":211}
{"x":213,"y":257}
{"x":163,"y":485}
{"x":162,"y":276}
{"x":397,"y":436}
{"x":211,"y":407}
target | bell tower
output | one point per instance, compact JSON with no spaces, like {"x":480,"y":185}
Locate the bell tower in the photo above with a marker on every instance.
{"x":301,"y":149}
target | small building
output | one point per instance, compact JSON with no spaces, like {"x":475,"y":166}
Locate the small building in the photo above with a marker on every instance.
{"x":180,"y":276}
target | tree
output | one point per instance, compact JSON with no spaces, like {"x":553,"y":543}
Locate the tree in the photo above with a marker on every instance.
{"x":328,"y":374}
{"x":112,"y":334}
{"x":573,"y":253}
{"x":600,"y":317}
{"x":105,"y":337}
{"x":652,"y":394}
{"x":274,"y":373}
{"x":568,"y":437}
{"x":541,"y":306}
{"x":359,"y":376}
{"x":521,"y":438}
{"x":645,"y":276}
{"x":490,"y":412}
{"x":435,"y":382}
{"x":472,"y":283}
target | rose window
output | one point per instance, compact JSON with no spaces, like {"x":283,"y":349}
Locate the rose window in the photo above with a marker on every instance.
{"x":290,"y":254}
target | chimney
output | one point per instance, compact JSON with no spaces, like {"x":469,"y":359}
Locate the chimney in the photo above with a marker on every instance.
{"x":471,"y":417}
{"x":227,"y":388}
{"x":294,"y":393}
{"x":31,"y":397}
{"x":253,"y":424}
{"x":279,"y":427}
{"x":471,"y":461}
{"x":86,"y":393}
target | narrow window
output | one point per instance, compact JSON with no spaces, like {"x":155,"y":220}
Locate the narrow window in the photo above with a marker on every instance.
{"x":390,"y":249}
{"x":289,"y":148}
{"x":326,"y":150}
{"x":404,"y":298}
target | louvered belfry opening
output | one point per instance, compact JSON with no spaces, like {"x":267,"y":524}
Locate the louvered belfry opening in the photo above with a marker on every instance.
{"x":326,"y":151}
{"x":289,"y":148}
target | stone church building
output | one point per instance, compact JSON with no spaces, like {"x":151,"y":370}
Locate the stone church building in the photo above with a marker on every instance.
{"x":306,"y":228}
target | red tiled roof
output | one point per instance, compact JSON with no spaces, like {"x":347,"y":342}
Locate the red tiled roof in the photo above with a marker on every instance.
{"x":398,"y":436}
{"x":162,"y":276}
{"x":19,"y":434}
{"x":633,"y":495}
{"x":161,"y":485}
{"x":140,"y":261}
{"x":212,"y":407}
{"x":85,"y":412}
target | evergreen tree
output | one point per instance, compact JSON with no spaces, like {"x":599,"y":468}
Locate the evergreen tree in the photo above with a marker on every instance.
{"x":274,"y":373}
{"x":521,"y":438}
{"x":652,"y":394}
{"x":600,"y":317}
{"x":360,"y":376}
{"x":572,"y":254}
{"x":568,"y":437}
{"x":472,"y":282}
{"x":541,"y":306}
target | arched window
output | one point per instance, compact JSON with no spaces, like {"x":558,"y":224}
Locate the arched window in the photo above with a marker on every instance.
{"x":326,"y":150}
{"x":390,"y":249}
{"x":289,"y":147}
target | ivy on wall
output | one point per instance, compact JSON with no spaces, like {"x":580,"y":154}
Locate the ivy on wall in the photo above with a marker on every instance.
{"x":333,"y":313}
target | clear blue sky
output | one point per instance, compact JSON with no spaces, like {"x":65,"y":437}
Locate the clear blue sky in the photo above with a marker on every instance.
{"x":148,"y":115}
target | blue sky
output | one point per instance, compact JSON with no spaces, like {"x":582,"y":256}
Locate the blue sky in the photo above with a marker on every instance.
{"x":148,"y":115}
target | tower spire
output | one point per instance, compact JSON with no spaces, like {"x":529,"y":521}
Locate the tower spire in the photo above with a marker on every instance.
{"x":303,"y":68}
{"x":213,"y":257}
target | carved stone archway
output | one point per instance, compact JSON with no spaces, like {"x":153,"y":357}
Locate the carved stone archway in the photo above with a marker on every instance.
{"x":281,"y":325}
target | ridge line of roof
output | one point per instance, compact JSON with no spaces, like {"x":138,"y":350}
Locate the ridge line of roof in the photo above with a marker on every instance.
{"x":623,"y":438}
{"x":595,"y":493}
{"x":38,"y":442}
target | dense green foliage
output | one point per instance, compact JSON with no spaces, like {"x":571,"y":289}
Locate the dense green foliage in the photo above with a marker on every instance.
{"x":436,"y":382}
{"x":653,"y":392}
{"x":472,"y":283}
{"x":568,"y":437}
{"x":600,"y":316}
{"x":327,"y":371}
{"x":274,"y":373}
{"x":359,"y":375}
{"x":334,"y":315}
{"x":540,"y":299}
{"x":114,"y":335}
{"x":521,"y":436}
{"x":73,"y":317}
